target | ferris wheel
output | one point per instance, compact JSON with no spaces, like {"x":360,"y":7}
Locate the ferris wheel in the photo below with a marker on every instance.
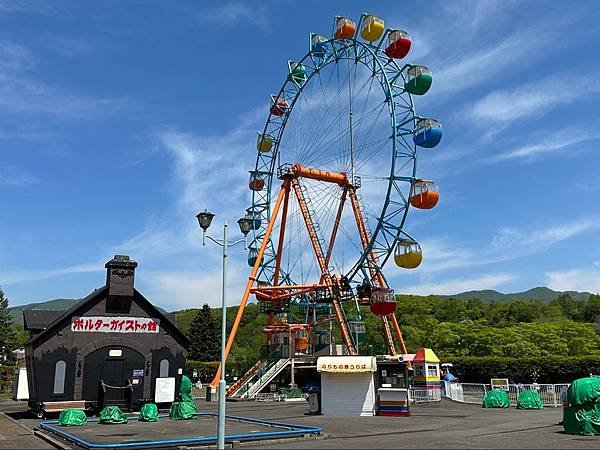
{"x":335,"y":175}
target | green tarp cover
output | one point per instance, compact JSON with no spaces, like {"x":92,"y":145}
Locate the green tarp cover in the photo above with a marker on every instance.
{"x":185,"y":390}
{"x":584,"y":391}
{"x":149,"y":413}
{"x":72,"y":418}
{"x":529,"y":400}
{"x":112,"y":414}
{"x":582,"y":415}
{"x":183,"y":411}
{"x":496,"y":398}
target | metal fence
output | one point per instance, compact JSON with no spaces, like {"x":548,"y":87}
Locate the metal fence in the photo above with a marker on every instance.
{"x":424,"y":395}
{"x":550,"y":394}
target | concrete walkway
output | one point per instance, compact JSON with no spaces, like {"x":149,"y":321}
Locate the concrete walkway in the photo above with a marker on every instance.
{"x":13,"y":435}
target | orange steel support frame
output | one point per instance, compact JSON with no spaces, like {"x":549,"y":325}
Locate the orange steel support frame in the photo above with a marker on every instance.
{"x":252,"y":278}
{"x":336,"y":225}
{"x":325,"y":275}
{"x":327,"y":280}
{"x":286,"y":188}
{"x":375,"y":274}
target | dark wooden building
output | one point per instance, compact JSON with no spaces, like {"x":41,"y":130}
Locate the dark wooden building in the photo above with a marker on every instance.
{"x":107,"y":349}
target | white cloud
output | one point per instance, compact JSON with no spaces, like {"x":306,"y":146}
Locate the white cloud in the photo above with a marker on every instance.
{"x":586,"y":279}
{"x":24,"y":276}
{"x":14,"y":57}
{"x":554,"y":142}
{"x":525,"y":242}
{"x":11,"y":176}
{"x":508,"y":243}
{"x":157,"y":242}
{"x":233,"y":13}
{"x":20,"y":92}
{"x":180,"y":290}
{"x":532,"y":99}
{"x":462,"y":72}
{"x":208,"y":166}
{"x":68,"y":46}
{"x":457,"y":285}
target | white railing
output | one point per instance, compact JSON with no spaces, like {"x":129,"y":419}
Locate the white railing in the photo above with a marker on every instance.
{"x":268,"y":397}
{"x":416,"y":395}
{"x":550,"y":394}
{"x":266,"y":378}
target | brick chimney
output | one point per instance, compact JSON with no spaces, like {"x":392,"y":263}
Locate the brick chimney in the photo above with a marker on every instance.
{"x":119,"y":276}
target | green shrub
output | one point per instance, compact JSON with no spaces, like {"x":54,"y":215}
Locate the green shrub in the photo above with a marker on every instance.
{"x":550,"y":369}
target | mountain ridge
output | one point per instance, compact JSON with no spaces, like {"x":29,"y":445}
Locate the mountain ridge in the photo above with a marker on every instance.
{"x":486,"y":295}
{"x":536,"y":293}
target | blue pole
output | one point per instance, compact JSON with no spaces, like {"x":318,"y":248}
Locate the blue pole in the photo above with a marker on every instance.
{"x":221,"y":426}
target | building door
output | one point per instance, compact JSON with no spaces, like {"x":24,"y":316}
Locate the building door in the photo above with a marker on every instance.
{"x":116,"y":366}
{"x":113,"y":374}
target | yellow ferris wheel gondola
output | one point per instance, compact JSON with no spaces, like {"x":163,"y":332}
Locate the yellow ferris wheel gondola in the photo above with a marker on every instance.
{"x":408,"y":254}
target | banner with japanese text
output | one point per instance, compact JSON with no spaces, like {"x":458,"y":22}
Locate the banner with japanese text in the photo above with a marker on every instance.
{"x":99,"y":324}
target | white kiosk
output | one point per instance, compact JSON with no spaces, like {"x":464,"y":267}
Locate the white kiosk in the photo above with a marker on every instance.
{"x":347,"y":385}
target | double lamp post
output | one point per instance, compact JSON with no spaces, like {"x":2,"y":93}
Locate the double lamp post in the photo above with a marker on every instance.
{"x":245,"y":223}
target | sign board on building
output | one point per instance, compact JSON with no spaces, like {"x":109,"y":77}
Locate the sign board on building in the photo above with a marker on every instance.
{"x":100,"y":324}
{"x":499,"y":383}
{"x":165,"y":390}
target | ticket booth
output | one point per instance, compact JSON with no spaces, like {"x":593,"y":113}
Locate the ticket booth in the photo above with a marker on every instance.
{"x":392,"y":386}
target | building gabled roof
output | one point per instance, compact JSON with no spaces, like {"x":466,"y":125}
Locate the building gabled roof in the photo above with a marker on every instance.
{"x":36,"y":320}
{"x":166,"y":319}
{"x":425,"y":355}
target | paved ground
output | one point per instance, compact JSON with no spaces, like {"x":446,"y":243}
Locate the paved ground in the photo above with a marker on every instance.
{"x":441,"y":425}
{"x":13,"y":435}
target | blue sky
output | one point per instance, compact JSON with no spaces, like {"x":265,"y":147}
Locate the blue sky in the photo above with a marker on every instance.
{"x":119,"y":121}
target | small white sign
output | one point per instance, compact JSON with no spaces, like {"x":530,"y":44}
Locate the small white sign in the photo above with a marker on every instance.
{"x":165,"y":390}
{"x":499,"y":383}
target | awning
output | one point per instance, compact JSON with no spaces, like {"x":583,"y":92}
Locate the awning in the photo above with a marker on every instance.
{"x":346,"y":364}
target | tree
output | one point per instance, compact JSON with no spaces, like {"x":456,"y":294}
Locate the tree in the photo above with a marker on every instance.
{"x":591,"y":312}
{"x":7,"y":333}
{"x":571,"y":309}
{"x":204,"y":336}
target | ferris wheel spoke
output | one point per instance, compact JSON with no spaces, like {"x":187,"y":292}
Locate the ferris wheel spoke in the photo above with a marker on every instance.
{"x":326,"y":126}
{"x":327,"y":107}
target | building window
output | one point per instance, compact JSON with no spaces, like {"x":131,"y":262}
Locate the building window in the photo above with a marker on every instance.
{"x":432,"y":371}
{"x":164,"y":368}
{"x":59,"y":377}
{"x":420,"y":371}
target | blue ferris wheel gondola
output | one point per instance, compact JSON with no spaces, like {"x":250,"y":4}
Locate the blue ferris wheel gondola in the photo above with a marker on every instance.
{"x":319,"y":45}
{"x":427,"y":133}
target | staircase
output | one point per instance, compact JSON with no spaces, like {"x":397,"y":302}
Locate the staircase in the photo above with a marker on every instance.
{"x":272,"y":371}
{"x":235,"y":387}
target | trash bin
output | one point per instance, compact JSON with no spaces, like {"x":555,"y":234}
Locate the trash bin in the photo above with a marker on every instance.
{"x":208,"y":393}
{"x":314,"y":407}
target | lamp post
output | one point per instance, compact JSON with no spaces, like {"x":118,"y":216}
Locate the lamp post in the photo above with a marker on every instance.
{"x":245,"y":223}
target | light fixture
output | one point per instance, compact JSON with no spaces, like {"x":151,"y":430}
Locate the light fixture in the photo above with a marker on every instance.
{"x":245,"y":224}
{"x":204,"y":219}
